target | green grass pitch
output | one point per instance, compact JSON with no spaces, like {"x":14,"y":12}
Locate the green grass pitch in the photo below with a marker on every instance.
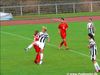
{"x":14,"y":61}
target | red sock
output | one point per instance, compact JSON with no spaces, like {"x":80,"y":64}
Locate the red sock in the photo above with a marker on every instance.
{"x":65,"y":43}
{"x":61,"y":43}
{"x":37,"y":49}
{"x":37,"y":60}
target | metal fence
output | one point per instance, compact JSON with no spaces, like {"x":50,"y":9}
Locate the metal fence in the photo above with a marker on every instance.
{"x":53,"y":8}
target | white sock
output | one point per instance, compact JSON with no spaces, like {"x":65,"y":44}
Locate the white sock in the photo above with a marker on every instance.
{"x":96,"y":66}
{"x":30,"y":46}
{"x":41,"y":62}
{"x":41,"y":56}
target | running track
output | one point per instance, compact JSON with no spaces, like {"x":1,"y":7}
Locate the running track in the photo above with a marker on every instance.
{"x":45,"y":21}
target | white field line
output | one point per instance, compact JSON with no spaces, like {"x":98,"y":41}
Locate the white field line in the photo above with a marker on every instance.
{"x":52,"y":45}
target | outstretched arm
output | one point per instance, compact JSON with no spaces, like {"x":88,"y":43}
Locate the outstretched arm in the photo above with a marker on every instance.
{"x":48,"y":39}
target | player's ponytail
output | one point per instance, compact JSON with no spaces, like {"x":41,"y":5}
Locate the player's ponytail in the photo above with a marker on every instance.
{"x":36,"y":32}
{"x":91,"y":36}
{"x":62,"y":18}
{"x":90,"y":19}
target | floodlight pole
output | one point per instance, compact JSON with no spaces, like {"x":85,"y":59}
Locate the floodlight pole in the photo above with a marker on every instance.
{"x":91,"y":7}
{"x":3,"y":9}
{"x":39,"y":10}
{"x":21,"y":10}
{"x":56,"y":8}
{"x":73,"y":7}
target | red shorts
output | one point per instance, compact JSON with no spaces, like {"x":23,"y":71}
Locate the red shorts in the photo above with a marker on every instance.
{"x":37,"y":48}
{"x":63,"y":35}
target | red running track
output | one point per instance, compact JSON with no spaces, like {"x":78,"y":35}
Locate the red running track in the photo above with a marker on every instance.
{"x":45,"y":21}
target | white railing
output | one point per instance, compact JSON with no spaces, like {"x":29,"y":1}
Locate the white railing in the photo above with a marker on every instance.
{"x":53,"y":8}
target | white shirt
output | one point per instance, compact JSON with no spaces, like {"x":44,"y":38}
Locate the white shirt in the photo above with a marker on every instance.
{"x":90,"y":25}
{"x":92,"y":42}
{"x":42,"y":39}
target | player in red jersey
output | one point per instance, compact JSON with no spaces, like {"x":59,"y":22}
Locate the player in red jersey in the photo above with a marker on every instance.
{"x":63,"y":26}
{"x":36,"y":47}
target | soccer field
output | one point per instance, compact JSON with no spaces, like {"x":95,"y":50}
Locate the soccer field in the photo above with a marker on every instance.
{"x":14,"y":61}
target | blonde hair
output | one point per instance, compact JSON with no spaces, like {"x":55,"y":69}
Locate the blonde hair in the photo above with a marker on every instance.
{"x":43,"y":27}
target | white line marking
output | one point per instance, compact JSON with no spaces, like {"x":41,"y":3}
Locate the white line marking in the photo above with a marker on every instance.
{"x":20,"y":36}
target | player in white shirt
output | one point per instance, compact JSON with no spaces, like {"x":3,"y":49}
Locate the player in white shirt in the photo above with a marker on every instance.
{"x":39,"y":44}
{"x":90,"y":27}
{"x":43,"y":35}
{"x":93,"y":50}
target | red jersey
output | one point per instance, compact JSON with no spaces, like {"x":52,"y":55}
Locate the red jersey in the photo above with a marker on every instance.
{"x":36,"y":37}
{"x":63,"y":27}
{"x":36,"y":47}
